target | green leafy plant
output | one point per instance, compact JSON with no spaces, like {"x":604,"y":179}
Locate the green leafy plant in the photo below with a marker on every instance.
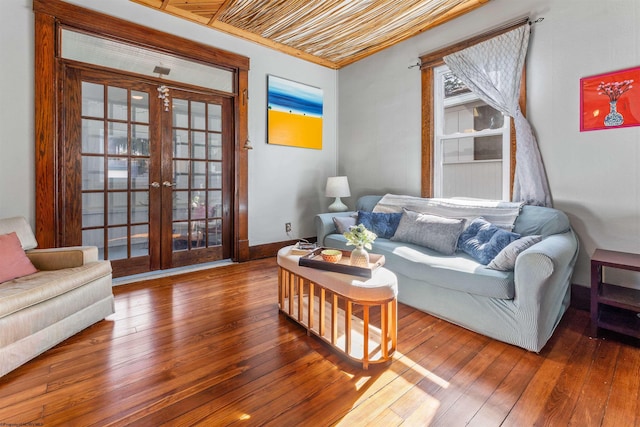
{"x":358,"y":235}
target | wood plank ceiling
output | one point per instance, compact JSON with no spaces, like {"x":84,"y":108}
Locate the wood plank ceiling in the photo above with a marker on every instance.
{"x":332,"y":33}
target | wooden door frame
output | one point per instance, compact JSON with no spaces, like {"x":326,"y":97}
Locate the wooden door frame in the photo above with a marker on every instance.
{"x":50,"y":15}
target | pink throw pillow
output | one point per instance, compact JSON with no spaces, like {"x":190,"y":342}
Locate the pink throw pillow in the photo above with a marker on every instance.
{"x":13,"y":261}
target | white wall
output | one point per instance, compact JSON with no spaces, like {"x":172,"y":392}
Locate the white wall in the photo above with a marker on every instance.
{"x":17,"y":194}
{"x":593,"y":175}
{"x":286,"y":184}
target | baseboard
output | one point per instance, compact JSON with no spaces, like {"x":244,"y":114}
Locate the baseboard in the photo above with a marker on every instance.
{"x":580,"y":297}
{"x":271,"y":249}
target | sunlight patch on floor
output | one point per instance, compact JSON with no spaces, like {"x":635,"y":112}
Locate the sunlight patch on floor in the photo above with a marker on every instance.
{"x":426,"y":373}
{"x":415,"y":405}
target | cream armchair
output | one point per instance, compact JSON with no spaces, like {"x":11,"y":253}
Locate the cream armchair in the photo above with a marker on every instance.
{"x":71,"y":291}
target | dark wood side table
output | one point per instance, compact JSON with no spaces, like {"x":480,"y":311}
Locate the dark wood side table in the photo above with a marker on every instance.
{"x":614,"y":307}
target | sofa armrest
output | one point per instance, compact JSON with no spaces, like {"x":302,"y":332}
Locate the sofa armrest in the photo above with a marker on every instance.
{"x":59,"y":258}
{"x":553,"y":257}
{"x":325,"y":226}
{"x":542,"y":280}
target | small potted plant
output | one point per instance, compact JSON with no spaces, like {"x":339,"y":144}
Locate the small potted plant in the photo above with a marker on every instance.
{"x":361,"y":238}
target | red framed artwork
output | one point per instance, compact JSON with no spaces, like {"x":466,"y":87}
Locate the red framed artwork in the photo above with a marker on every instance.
{"x":610,"y":100}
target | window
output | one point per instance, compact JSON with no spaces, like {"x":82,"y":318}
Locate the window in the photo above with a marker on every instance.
{"x":471,"y":139}
{"x":489,"y":141}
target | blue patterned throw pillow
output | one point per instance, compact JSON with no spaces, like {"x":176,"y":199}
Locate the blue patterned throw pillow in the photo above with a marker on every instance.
{"x":483,"y":240}
{"x":383,"y":224}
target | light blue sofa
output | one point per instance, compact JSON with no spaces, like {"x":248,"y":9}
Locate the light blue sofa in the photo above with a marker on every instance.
{"x":521,"y":307}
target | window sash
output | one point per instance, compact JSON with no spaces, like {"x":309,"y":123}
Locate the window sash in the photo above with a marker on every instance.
{"x":440,"y":103}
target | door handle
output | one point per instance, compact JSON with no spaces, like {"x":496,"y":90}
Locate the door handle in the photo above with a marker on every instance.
{"x":169,"y":184}
{"x":155,"y":184}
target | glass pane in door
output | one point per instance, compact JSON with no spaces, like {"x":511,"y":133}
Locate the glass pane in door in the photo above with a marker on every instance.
{"x":115,"y":170}
{"x":197,"y":169}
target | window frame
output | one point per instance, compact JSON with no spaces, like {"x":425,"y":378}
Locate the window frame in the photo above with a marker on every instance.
{"x":429,"y":62}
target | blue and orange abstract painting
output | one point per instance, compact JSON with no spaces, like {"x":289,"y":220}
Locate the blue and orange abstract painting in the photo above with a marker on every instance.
{"x":294,"y":114}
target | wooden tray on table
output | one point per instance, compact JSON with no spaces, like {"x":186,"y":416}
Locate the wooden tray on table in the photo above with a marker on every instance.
{"x":314,"y":260}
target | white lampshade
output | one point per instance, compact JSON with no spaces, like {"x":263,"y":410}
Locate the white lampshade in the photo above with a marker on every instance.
{"x":337,"y":186}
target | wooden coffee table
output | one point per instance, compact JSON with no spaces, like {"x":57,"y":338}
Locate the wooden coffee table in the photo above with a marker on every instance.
{"x":329,"y":305}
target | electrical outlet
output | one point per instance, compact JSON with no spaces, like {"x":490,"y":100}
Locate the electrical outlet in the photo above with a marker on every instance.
{"x":287,"y":227}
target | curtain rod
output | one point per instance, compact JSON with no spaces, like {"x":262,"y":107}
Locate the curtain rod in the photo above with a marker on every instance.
{"x":435,"y":57}
{"x":508,"y":26}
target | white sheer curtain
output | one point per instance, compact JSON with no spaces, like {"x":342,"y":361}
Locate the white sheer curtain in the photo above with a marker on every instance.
{"x":492,"y":70}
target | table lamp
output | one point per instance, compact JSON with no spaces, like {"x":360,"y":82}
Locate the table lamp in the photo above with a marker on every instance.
{"x":337,"y":186}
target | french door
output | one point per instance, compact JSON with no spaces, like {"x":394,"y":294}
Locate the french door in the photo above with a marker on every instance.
{"x":147,"y":176}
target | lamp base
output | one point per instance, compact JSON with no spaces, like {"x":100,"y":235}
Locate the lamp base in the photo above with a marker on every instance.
{"x":338,"y":206}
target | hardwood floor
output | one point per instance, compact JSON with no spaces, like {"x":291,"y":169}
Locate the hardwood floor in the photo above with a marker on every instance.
{"x":210,"y":348}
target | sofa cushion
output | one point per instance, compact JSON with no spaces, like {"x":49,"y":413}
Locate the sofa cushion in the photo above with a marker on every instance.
{"x":483,"y":240}
{"x":30,"y":290}
{"x":459,"y":272}
{"x":383,"y":224}
{"x":367,"y":203}
{"x":13,"y":261}
{"x":506,"y":259}
{"x":431,"y":231}
{"x":534,"y":220}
